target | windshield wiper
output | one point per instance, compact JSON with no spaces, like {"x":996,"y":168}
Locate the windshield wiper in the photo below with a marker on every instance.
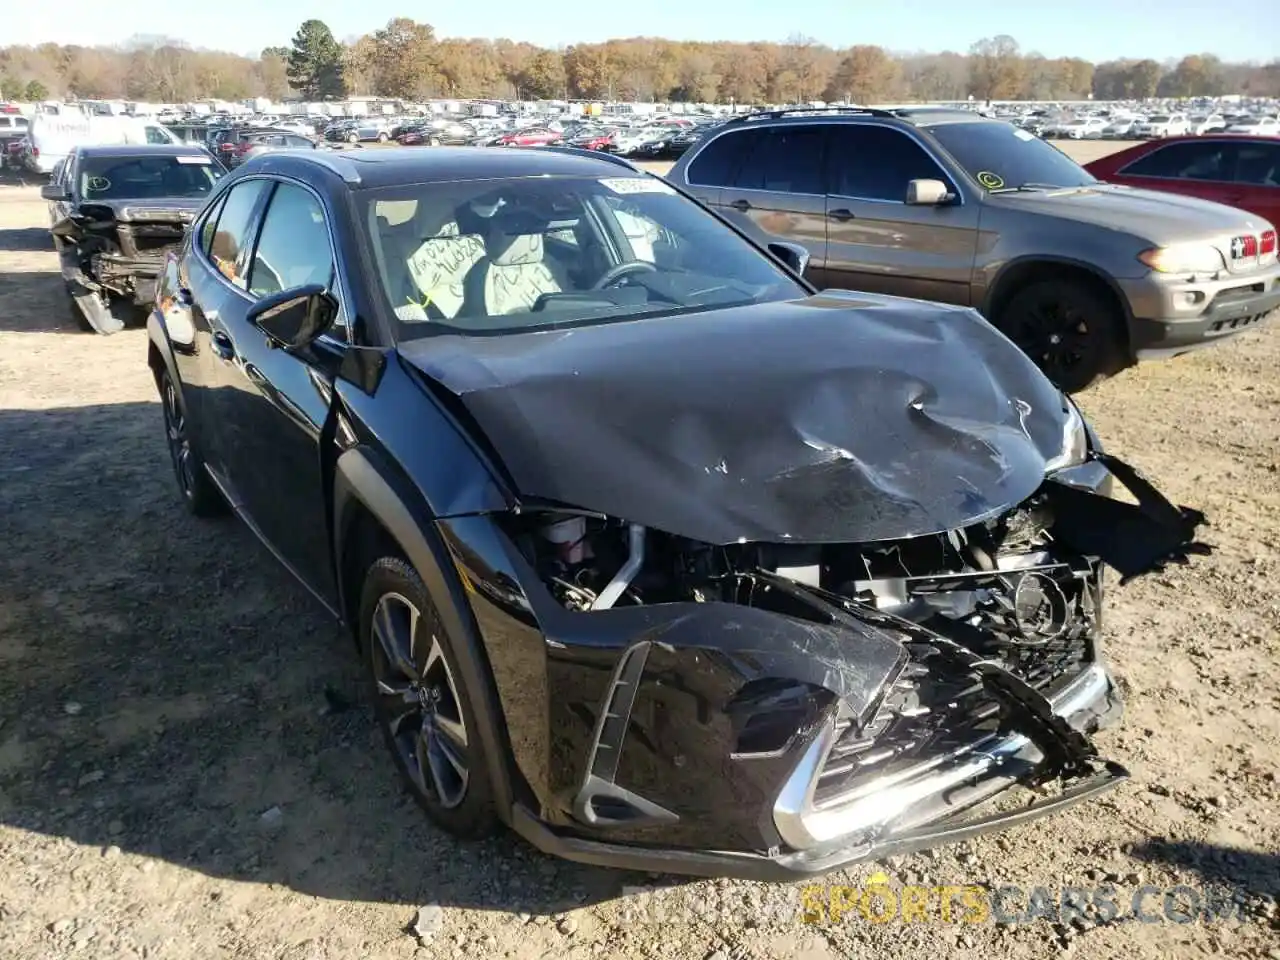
{"x":1031,"y":187}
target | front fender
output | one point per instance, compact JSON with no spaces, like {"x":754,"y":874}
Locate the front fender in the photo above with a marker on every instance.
{"x":363,"y":483}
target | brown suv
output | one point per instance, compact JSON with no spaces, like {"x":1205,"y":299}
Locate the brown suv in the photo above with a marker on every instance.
{"x":945,"y":205}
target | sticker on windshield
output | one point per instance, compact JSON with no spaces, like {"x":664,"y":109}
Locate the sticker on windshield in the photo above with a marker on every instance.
{"x":990,"y":180}
{"x":1023,"y":134}
{"x":193,"y":158}
{"x":627,"y":185}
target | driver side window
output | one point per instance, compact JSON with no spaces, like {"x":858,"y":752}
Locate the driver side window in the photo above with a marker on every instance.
{"x":293,"y":247}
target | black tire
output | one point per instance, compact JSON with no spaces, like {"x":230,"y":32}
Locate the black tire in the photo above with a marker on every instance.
{"x":424,"y":714}
{"x":198,"y":490}
{"x":383,"y":137}
{"x":1072,"y":332}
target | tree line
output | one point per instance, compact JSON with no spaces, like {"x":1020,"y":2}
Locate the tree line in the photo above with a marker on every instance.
{"x":405,"y":60}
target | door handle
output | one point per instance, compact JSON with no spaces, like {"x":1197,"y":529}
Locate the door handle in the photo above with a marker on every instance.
{"x":223,"y":346}
{"x":742,"y":206}
{"x":840,"y":213}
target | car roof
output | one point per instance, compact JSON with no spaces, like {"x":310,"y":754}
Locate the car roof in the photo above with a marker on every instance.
{"x":393,"y":166}
{"x":1201,"y":138}
{"x":142,"y":150}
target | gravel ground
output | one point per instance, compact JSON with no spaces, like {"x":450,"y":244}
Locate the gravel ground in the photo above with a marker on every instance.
{"x":174,"y":783}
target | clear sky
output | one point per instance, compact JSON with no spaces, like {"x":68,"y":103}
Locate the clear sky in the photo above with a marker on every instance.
{"x":1094,"y":29}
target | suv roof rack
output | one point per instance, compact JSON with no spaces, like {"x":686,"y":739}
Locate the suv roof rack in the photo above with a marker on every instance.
{"x":812,"y":111}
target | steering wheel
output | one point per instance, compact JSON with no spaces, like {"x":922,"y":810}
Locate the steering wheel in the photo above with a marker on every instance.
{"x":618,"y":271}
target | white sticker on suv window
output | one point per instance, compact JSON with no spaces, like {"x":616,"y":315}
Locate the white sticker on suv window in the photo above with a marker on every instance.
{"x":192,"y":158}
{"x":1023,"y":134}
{"x":626,"y":185}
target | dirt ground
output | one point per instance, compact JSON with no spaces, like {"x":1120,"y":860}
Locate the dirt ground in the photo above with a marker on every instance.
{"x":174,"y":784}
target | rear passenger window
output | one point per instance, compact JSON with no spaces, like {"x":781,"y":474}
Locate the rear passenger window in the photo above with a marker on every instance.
{"x":1183,"y":161}
{"x":869,"y":162}
{"x":1258,"y":164}
{"x":231,"y":235}
{"x":788,"y":159}
{"x":717,"y":162}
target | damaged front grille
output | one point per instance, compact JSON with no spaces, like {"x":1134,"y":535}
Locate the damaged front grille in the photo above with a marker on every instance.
{"x":1038,"y":623}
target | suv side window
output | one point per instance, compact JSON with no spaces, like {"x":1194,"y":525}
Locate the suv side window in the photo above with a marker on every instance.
{"x":231,"y":235}
{"x":293,"y":248}
{"x":787,"y":159}
{"x":871,"y":162}
{"x":718,"y":162}
{"x":1184,"y":161}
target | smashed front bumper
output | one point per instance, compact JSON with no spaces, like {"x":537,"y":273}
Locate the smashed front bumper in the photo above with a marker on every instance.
{"x":914,"y":810}
{"x":893,"y":810}
{"x":634,"y":729}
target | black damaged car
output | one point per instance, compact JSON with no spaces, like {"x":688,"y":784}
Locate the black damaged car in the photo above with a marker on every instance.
{"x":654,"y":553}
{"x":114,"y":212}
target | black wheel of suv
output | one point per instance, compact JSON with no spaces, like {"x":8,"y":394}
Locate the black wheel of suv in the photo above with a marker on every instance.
{"x":197,"y":489}
{"x":421,"y":701}
{"x":1071,"y":332}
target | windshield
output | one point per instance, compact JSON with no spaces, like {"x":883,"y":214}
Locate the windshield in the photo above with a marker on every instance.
{"x":188,"y":176}
{"x":1247,"y":123}
{"x":1160,"y":118}
{"x":1002,"y":157}
{"x":486,"y":256}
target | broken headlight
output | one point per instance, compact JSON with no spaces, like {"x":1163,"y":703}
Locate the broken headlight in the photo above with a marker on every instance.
{"x":1075,"y":442}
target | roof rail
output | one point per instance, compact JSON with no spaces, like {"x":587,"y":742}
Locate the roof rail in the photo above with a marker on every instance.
{"x":811,"y":111}
{"x":593,"y":154}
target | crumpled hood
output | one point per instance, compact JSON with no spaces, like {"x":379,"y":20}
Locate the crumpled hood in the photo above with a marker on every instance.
{"x":840,"y":417}
{"x":1161,"y":218}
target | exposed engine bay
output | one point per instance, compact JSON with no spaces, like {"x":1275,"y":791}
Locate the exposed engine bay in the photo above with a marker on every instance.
{"x":996,"y":619}
{"x":115,"y":253}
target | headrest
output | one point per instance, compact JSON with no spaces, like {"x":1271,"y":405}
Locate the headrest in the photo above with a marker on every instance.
{"x":515,"y":250}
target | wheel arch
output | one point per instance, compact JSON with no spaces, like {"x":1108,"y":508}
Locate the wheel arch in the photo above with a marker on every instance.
{"x":375,"y":509}
{"x":1023,"y":271}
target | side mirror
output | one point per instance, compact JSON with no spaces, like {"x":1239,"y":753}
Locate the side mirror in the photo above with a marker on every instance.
{"x":54,"y":192}
{"x":794,"y":255}
{"x":927,"y":193}
{"x":294,"y":318}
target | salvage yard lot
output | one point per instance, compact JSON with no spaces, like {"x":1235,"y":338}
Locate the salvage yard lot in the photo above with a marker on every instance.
{"x":164,"y":685}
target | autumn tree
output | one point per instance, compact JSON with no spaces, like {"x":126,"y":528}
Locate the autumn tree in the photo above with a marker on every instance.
{"x":36,"y":91}
{"x":405,"y":59}
{"x":315,"y":62}
{"x":587,"y":71}
{"x":271,"y":73}
{"x":996,"y":68}
{"x":405,"y":65}
{"x":1199,"y":75}
{"x":865,"y":75}
{"x":543,"y":77}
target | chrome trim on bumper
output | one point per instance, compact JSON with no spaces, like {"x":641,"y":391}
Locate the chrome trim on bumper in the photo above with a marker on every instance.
{"x":935,"y":788}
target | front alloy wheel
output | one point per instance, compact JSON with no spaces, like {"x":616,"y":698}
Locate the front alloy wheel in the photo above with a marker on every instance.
{"x":422,"y":700}
{"x":419,"y":701}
